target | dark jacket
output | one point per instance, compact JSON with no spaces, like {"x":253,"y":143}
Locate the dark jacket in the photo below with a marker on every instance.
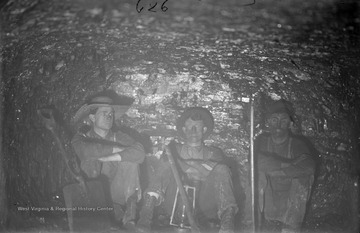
{"x":89,"y":147}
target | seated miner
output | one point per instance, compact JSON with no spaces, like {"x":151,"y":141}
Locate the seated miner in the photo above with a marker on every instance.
{"x":201,"y":167}
{"x":103,"y":151}
{"x":285,"y":170}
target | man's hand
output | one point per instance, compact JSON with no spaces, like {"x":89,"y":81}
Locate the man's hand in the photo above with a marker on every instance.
{"x":300,"y":158}
{"x":197,"y":170}
{"x":201,"y":165}
{"x":111,"y":158}
{"x":117,"y":149}
{"x":209,"y":165}
{"x":115,"y":157}
{"x":268,"y":163}
{"x":276,"y":173}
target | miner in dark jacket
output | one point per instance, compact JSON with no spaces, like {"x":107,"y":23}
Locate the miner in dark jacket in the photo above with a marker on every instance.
{"x":113,"y":154}
{"x":285,"y":170}
{"x":202,"y":166}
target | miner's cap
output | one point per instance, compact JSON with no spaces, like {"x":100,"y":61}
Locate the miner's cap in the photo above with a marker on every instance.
{"x":119,"y":103}
{"x":281,"y":106}
{"x":197,"y":113}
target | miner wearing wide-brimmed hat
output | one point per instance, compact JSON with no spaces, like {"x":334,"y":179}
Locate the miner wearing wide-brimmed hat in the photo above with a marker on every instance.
{"x":285,"y":170}
{"x":202,"y":166}
{"x":103,"y":151}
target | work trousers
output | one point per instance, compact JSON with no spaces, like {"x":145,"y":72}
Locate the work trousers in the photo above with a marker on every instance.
{"x":284,"y":199}
{"x":215,"y":193}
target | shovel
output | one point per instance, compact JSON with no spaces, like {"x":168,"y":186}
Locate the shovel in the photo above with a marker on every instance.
{"x":87,"y":204}
{"x":170,"y":154}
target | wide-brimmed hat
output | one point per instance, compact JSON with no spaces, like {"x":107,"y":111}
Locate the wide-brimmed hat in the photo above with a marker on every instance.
{"x":120,"y":104}
{"x":281,"y":106}
{"x":196,"y":113}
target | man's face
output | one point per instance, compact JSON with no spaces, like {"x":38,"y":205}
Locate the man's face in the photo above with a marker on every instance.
{"x":194,"y":130}
{"x":103,"y":118}
{"x":279,"y":124}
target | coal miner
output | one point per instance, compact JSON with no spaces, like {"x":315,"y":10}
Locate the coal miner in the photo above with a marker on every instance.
{"x":104,"y":151}
{"x":285,"y":170}
{"x":202,"y":167}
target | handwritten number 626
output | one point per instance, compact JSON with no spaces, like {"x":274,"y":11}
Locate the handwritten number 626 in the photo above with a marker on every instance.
{"x":151,"y":7}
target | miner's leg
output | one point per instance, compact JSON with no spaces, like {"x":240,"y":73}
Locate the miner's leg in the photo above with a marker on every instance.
{"x":217,"y":194}
{"x":299,"y":196}
{"x":153,"y":196}
{"x":124,"y":188}
{"x":261,"y":189}
{"x":146,"y":213}
{"x":130,"y":213}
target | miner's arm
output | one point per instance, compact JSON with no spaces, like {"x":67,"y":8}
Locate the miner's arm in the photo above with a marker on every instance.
{"x":303,"y":163}
{"x":92,"y":150}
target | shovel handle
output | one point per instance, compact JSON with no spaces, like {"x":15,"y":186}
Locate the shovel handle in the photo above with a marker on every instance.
{"x":185,"y":200}
{"x":47,"y":117}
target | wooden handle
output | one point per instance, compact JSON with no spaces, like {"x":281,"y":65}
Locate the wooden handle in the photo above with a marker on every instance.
{"x":185,"y":200}
{"x":47,"y":116}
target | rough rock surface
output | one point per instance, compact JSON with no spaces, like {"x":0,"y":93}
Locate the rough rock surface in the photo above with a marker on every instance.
{"x":210,"y":53}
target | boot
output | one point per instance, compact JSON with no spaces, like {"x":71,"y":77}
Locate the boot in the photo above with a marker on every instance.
{"x":117,"y":217}
{"x":130,"y":212}
{"x":146,"y":214}
{"x":227,"y":221}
